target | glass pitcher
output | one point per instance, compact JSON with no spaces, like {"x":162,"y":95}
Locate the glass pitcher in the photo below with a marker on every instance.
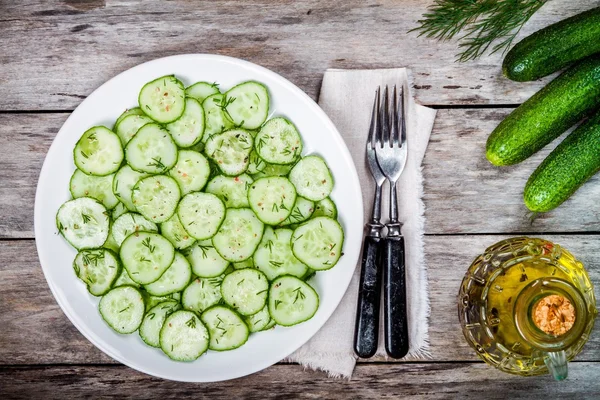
{"x":527,"y":306}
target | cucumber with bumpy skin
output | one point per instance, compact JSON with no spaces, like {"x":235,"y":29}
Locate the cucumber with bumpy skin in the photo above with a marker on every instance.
{"x":163,"y":99}
{"x":554,"y":47}
{"x":546,"y":115}
{"x":566,"y":168}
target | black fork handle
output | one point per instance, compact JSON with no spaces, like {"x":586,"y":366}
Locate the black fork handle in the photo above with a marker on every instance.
{"x":366,"y":332}
{"x":396,"y":324}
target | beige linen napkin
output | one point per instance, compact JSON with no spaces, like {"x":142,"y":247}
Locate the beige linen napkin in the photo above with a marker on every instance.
{"x":347,"y":97}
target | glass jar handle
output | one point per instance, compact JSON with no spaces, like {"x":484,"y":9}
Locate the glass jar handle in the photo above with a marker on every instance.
{"x":557,"y":364}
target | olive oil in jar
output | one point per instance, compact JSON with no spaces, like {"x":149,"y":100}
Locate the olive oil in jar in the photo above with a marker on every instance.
{"x":502,"y":291}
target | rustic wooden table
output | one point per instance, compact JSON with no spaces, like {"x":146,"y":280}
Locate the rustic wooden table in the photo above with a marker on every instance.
{"x":54,"y":53}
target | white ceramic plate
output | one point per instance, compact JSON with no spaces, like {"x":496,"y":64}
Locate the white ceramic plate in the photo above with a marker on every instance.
{"x":102,"y":107}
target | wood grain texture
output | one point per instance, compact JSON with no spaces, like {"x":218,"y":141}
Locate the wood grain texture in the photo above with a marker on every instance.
{"x":463,"y":192}
{"x":35,"y":331}
{"x":370,"y":381}
{"x":55,"y":53}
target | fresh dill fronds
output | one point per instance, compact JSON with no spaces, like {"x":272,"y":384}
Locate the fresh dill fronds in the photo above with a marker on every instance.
{"x":482,"y":24}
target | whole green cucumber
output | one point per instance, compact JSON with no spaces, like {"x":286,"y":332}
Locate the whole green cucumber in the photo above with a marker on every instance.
{"x":566,"y":168}
{"x":554,"y":47}
{"x":547,"y":114}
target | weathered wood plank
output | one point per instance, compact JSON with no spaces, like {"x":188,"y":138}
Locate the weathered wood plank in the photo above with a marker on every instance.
{"x":463,"y":193}
{"x":370,"y":381}
{"x":55,"y":53}
{"x":35,"y":331}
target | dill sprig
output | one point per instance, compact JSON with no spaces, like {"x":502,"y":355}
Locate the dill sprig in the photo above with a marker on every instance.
{"x":485,"y":24}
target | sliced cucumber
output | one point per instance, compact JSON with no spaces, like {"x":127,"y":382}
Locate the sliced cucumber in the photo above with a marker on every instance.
{"x":125,"y":280}
{"x":183,"y":337}
{"x":128,"y":127}
{"x":278,"y":142}
{"x":129,"y":223}
{"x":111,"y":243}
{"x":256,"y":164}
{"x":83,"y":222}
{"x":189,"y":129}
{"x":325,"y":208}
{"x":151,"y":150}
{"x":96,"y":187}
{"x":318,"y":243}
{"x":163,"y":99}
{"x":227,"y":329}
{"x":302,"y":210}
{"x":191,"y":171}
{"x":230,"y":150}
{"x":156,"y":197}
{"x":272,"y":199}
{"x":152,"y":301}
{"x":270,"y":325}
{"x":215,"y":120}
{"x":130,"y":111}
{"x":274,"y":256}
{"x":257,"y":322}
{"x":201,"y":90}
{"x":292,"y":301}
{"x":233,"y":190}
{"x":123,"y":183}
{"x":239,"y":234}
{"x":277,"y":169}
{"x":154,"y":319}
{"x":174,"y":232}
{"x":245,"y":290}
{"x":249,"y":263}
{"x":98,"y":152}
{"x":247,"y":104}
{"x":312,"y":178}
{"x":175,"y":278}
{"x":119,"y":210}
{"x":201,"y":214}
{"x":205,"y":260}
{"x":202,"y":293}
{"x":146,"y":256}
{"x":123,"y":309}
{"x":98,"y":269}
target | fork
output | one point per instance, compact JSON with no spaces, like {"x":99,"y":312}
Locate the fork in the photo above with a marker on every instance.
{"x":391,"y":151}
{"x":366,"y":333}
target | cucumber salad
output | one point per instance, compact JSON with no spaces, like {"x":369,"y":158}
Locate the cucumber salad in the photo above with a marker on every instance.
{"x":197,"y":219}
